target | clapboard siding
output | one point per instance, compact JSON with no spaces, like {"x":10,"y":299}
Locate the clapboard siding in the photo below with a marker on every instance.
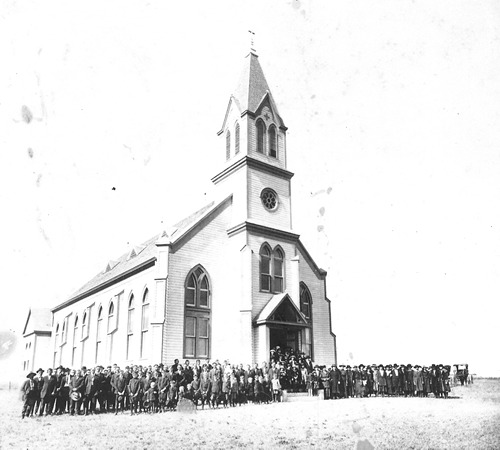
{"x":133,"y":285}
{"x":257,"y":181}
{"x":210,"y":247}
{"x":323,"y":341}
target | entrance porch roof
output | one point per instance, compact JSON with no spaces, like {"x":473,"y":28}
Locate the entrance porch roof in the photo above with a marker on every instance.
{"x":280,"y":309}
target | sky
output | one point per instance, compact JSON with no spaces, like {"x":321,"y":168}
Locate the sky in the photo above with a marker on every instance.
{"x":108,"y":120}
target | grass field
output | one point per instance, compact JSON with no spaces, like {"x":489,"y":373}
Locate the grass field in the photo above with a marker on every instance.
{"x":468,"y":420}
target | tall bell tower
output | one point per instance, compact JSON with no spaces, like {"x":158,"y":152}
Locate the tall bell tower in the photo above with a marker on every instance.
{"x":253,"y":137}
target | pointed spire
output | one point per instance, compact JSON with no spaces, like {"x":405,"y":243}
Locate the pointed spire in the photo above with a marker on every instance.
{"x":252,"y":87}
{"x":252,"y":46}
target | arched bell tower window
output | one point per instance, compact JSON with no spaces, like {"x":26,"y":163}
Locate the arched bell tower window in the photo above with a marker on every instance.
{"x":197,"y":301}
{"x":228,"y":145}
{"x":237,"y":138}
{"x":261,"y":133}
{"x":272,"y":142}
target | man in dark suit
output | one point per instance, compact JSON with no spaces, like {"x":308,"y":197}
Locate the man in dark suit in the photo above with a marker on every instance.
{"x":89,"y":393}
{"x":47,"y":393}
{"x":76,"y":386}
{"x":395,"y":380}
{"x":100,"y":389}
{"x":334,"y":376}
{"x":29,"y":394}
{"x":134,"y":392}
{"x":62,"y":390}
{"x":38,"y":380}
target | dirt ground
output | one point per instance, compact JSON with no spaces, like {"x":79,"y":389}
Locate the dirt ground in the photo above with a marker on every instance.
{"x":470,"y":419}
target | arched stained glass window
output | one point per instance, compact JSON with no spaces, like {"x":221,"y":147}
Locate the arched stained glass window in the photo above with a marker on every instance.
{"x":144,"y":324}
{"x":265,"y":268}
{"x":197,"y":314}
{"x":278,"y":257}
{"x":305,"y":302}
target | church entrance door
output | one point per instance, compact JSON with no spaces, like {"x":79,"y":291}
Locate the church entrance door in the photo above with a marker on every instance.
{"x":284,"y":337}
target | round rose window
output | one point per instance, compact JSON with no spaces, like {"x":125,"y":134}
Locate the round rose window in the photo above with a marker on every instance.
{"x":269,"y":199}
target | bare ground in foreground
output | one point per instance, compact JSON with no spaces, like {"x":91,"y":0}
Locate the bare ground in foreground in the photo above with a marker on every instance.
{"x":470,"y":419}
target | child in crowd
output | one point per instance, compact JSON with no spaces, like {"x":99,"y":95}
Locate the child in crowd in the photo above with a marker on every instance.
{"x":276,"y":386}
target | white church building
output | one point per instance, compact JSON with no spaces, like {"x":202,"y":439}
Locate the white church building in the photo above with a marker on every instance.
{"x":231,"y":281}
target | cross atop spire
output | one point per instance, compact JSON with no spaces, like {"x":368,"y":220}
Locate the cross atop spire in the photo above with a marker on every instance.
{"x":252,"y":45}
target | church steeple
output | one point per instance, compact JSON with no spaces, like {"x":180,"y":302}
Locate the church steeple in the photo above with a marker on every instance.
{"x":252,"y":88}
{"x":252,"y":125}
{"x":253,"y":135}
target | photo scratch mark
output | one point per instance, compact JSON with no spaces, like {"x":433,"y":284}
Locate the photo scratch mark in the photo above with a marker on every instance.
{"x":26,"y":114}
{"x":41,"y":229}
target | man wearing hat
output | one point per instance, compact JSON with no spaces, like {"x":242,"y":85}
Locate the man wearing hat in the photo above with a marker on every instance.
{"x":334,"y":376}
{"x":408,"y":380}
{"x":134,"y":392}
{"x":342,"y":381}
{"x":62,"y":390}
{"x":395,"y":380}
{"x":29,"y":394}
{"x":47,"y":393}
{"x":38,"y":380}
{"x":349,"y":382}
{"x":76,"y":388}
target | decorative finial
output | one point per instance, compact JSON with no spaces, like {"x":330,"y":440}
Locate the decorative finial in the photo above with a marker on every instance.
{"x":252,"y":46}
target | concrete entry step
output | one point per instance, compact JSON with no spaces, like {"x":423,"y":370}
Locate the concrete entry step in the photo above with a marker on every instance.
{"x":302,"y":396}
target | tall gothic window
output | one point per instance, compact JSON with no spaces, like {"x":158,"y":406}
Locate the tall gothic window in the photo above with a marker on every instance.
{"x":265,"y":268}
{"x":237,"y":138}
{"x":56,"y":345}
{"x":197,"y":314}
{"x":272,"y":142}
{"x":84,"y":325}
{"x":228,"y":145}
{"x":98,"y":341}
{"x":144,"y":324}
{"x":112,"y":321}
{"x":75,"y":335}
{"x":261,"y":133}
{"x":305,"y":302}
{"x":85,"y":329}
{"x":130,"y":324}
{"x":272,"y":269}
{"x":278,"y":270}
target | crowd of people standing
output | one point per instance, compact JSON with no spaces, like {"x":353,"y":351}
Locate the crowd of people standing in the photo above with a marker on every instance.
{"x":160,"y":388}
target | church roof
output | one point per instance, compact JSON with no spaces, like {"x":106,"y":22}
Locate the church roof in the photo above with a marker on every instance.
{"x":38,"y":320}
{"x":139,"y":255}
{"x":252,"y":89}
